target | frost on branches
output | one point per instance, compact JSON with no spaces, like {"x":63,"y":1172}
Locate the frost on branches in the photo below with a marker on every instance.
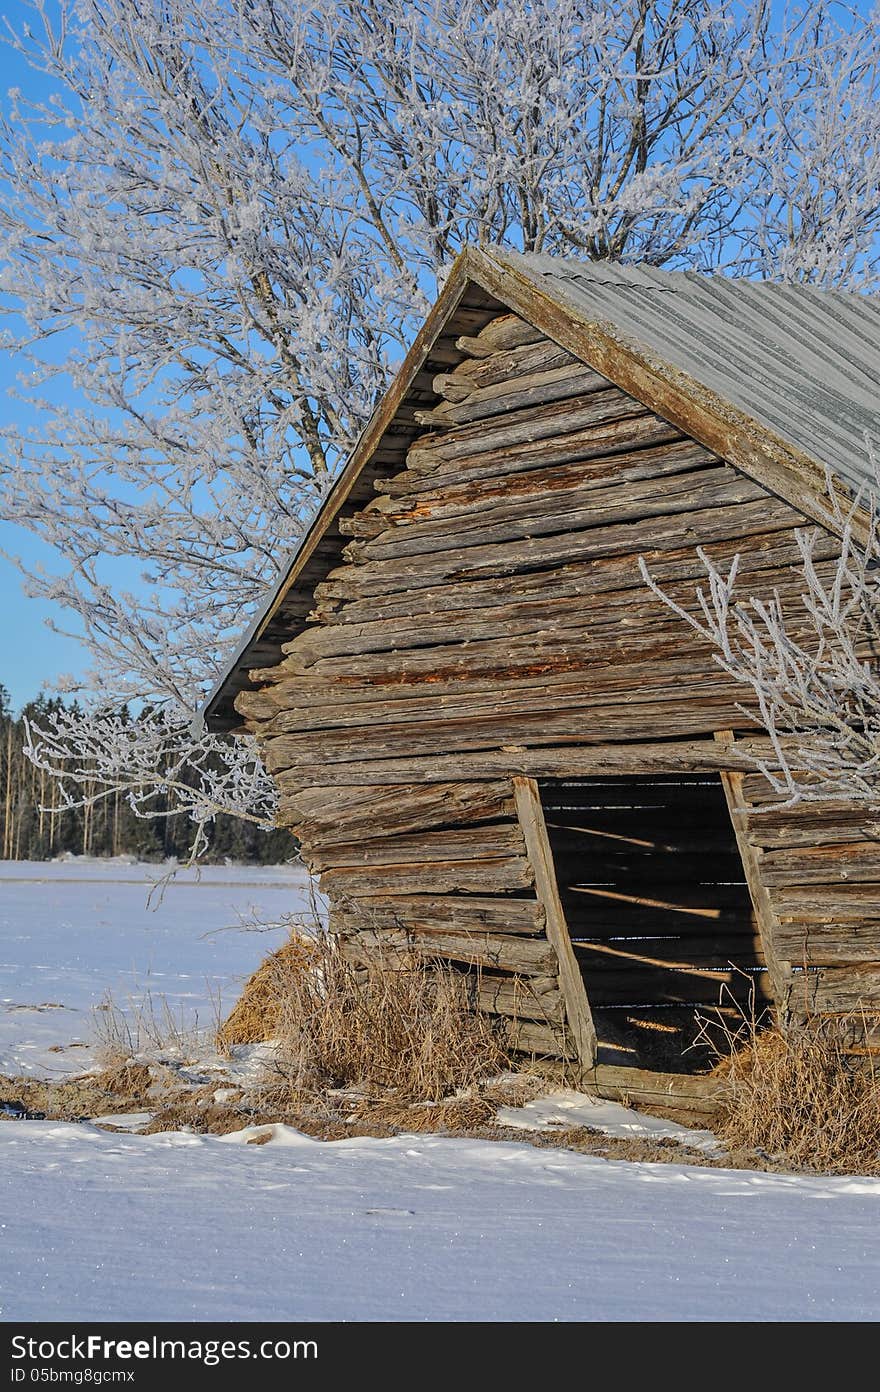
{"x":810,"y":666}
{"x":224,"y":219}
{"x":166,"y":772}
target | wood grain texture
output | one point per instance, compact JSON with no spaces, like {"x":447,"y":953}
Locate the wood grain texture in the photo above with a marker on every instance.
{"x":577,"y":1009}
{"x":523,"y":956}
{"x":778,"y":967}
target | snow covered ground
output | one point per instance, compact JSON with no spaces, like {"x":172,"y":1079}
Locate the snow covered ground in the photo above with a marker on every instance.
{"x":72,"y":932}
{"x":178,"y":1226}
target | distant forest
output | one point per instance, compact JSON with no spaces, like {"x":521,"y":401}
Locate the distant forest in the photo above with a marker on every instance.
{"x":32,"y":831}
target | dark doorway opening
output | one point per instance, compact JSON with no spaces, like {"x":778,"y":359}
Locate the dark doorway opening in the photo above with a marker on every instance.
{"x":660,"y":915}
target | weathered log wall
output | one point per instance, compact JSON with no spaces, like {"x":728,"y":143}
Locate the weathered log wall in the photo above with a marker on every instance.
{"x":487,"y":618}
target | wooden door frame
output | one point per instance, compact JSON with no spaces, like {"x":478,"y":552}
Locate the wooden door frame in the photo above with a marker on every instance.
{"x":578,"y":1015}
{"x":765,"y":918}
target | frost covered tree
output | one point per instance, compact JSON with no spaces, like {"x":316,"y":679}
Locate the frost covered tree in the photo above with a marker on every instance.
{"x":809,"y":667}
{"x":222,"y":221}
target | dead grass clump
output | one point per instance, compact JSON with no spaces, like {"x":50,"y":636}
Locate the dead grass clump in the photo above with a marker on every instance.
{"x":126,"y":1079}
{"x":801,"y":1097}
{"x":450,"y":1114}
{"x":77,"y":1098}
{"x":255,"y":1017}
{"x":394,"y":1024}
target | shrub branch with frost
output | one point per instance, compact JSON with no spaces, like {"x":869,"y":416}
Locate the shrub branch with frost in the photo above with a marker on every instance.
{"x":811,"y":666}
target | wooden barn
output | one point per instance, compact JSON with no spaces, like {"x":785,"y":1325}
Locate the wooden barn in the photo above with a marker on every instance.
{"x":494,"y":743}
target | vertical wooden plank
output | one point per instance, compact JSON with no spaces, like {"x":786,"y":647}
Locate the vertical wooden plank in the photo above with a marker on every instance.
{"x":779,"y":971}
{"x":571,"y":984}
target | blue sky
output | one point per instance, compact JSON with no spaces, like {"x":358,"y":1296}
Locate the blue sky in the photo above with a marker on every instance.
{"x":33,"y":654}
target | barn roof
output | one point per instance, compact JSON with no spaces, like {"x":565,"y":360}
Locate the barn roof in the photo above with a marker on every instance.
{"x":781,"y":380}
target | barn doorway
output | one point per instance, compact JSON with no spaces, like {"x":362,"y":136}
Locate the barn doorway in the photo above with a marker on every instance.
{"x":659,"y":912}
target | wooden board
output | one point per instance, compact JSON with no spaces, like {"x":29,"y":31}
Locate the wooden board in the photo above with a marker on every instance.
{"x":778,"y":967}
{"x":577,"y":1009}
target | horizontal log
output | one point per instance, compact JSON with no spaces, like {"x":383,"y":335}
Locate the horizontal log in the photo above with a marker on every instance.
{"x":450,"y":877}
{"x":337,"y":814}
{"x":525,"y":956}
{"x":686,"y":716}
{"x":579,"y":510}
{"x":800,"y":828}
{"x":841,"y":990}
{"x":615,"y":715}
{"x":677,"y":1104}
{"x":499,"y":335}
{"x":611,"y":425}
{"x":850,"y":903}
{"x":540,"y":493}
{"x":579,"y":761}
{"x":594,"y":636}
{"x":404,"y":495}
{"x":761,"y":552}
{"x":759,"y":793}
{"x":594,"y":648}
{"x":532,"y":1037}
{"x":493,"y":840}
{"x":320,"y":706}
{"x":521,"y":997}
{"x":369,"y":522}
{"x":342,"y":665}
{"x":546,"y":615}
{"x":463,"y":914}
{"x":690,"y":1085}
{"x":828,"y":944}
{"x":703,"y":526}
{"x":535,"y":389}
{"x":475,"y":373}
{"x":857,"y":862}
{"x":407,"y":498}
{"x":582,"y":628}
{"x":527,"y":427}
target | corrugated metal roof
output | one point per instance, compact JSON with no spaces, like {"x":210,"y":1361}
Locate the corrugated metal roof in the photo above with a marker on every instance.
{"x":801,"y":365}
{"x":804,"y":363}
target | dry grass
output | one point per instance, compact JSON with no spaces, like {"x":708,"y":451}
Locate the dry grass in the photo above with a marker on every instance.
{"x":122,"y":1088}
{"x":148,"y":1026}
{"x":256,"y":1016}
{"x":393,"y":1026}
{"x":801,"y":1098}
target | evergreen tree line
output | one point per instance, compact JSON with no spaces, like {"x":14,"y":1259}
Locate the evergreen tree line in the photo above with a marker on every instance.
{"x":36,"y":827}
